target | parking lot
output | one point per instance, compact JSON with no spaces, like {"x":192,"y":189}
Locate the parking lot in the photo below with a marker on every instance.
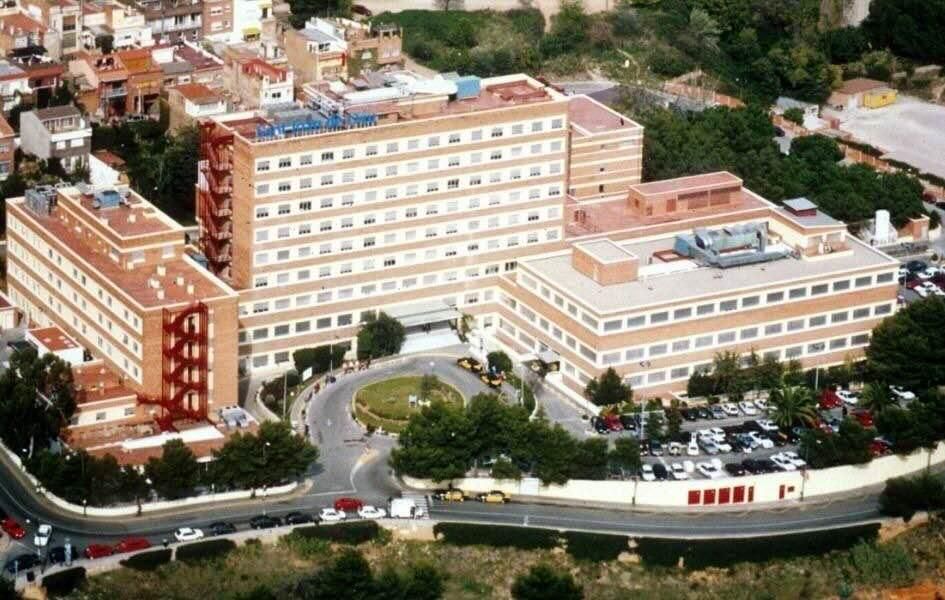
{"x":920,"y":280}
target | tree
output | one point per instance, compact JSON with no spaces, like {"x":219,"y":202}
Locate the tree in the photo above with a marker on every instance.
{"x":795,"y":115}
{"x":903,"y":496}
{"x":428,"y":384}
{"x":273,"y":456}
{"x":907,"y":430}
{"x":320,"y":359}
{"x":542,"y":582}
{"x":654,"y":426}
{"x":935,"y":220}
{"x":303,"y":10}
{"x":910,"y":28}
{"x":877,"y":397}
{"x":348,"y":576}
{"x":909,"y":347}
{"x":590,"y":459}
{"x":673,"y":420}
{"x":555,"y":450}
{"x":608,"y":389}
{"x":569,"y":29}
{"x":792,"y":405}
{"x":626,"y":454}
{"x":849,"y":446}
{"x":380,"y":336}
{"x":176,"y":473}
{"x":499,"y":362}
{"x":436,"y":444}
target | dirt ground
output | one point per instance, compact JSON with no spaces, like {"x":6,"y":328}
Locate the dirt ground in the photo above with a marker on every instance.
{"x":911,"y":130}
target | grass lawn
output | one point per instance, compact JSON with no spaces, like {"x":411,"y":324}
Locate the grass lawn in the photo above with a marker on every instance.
{"x":386,"y":403}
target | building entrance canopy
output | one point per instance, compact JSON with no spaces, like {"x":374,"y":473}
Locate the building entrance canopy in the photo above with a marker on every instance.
{"x":423,"y":313}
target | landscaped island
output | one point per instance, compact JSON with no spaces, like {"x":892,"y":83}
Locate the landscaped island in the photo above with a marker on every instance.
{"x":389,"y":403}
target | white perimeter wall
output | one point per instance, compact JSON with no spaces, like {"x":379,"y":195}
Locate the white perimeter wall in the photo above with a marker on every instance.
{"x":756,"y":489}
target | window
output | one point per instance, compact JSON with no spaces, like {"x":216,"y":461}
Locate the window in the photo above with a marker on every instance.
{"x":817,"y":321}
{"x":371,"y":151}
{"x":454,"y":138}
{"x":660,"y":317}
{"x":839,"y":286}
{"x":284,"y":209}
{"x":305,"y":159}
{"x":884,"y":278}
{"x":634,"y":322}
{"x":705,"y":309}
{"x":347,"y":154}
{"x":797,"y":293}
{"x":680,"y":345}
{"x":496,"y":132}
{"x":861,"y":313}
{"x":748,"y":333}
{"x":727,"y":337}
{"x":795,"y":325}
{"x":703,"y":341}
{"x":751,"y":301}
{"x":817,"y":290}
{"x":882,"y":309}
{"x":839,"y":317}
{"x":285,"y":162}
{"x":863,"y":281}
{"x":728,"y":305}
{"x":773,"y":329}
{"x":262,"y":166}
{"x":328,"y":156}
{"x":775,"y":297}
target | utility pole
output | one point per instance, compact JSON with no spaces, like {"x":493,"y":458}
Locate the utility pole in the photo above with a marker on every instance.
{"x":285,"y":377}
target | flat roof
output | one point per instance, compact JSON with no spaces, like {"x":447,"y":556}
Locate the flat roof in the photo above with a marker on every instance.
{"x":136,"y":217}
{"x":53,"y":339}
{"x":5,"y":129}
{"x":593,"y":117}
{"x":690,"y":183}
{"x":800,"y":204}
{"x":605,"y":250}
{"x":57,"y":112}
{"x":860,"y":84}
{"x":818,"y":219}
{"x":693,"y":282}
{"x":197,"y":93}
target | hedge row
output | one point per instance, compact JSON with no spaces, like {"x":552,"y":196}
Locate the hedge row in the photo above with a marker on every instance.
{"x":148,"y":561}
{"x":595,"y":547}
{"x":699,"y":554}
{"x":63,"y":583}
{"x":524,"y":538}
{"x":355,"y":532}
{"x":206,"y":549}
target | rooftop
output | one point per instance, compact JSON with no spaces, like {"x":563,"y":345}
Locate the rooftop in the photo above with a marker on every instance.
{"x":131,"y":215}
{"x":95,"y":382}
{"x":10,"y":71}
{"x":53,"y":339}
{"x":605,"y":250}
{"x":690,"y":184}
{"x":5,"y":129}
{"x":198,"y":93}
{"x":57,"y":112}
{"x":17,"y":22}
{"x":860,"y":84}
{"x":593,"y":117}
{"x":685,"y":280}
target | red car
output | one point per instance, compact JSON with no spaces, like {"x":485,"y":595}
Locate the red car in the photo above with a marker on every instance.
{"x":829,"y":399}
{"x":131,"y":544}
{"x":864,"y":417}
{"x":613,"y":422}
{"x":348,"y":505}
{"x":93,"y":551}
{"x":12,"y":528}
{"x":879,"y":448}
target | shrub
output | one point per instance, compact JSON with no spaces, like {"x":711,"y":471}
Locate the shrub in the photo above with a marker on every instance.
{"x":63,"y":583}
{"x":795,"y":115}
{"x":208,"y":549}
{"x":882,"y":565}
{"x":524,"y":538}
{"x":903,"y":496}
{"x":355,"y":532}
{"x":148,"y":561}
{"x":595,"y":547}
{"x":699,"y":554}
{"x":306,"y":546}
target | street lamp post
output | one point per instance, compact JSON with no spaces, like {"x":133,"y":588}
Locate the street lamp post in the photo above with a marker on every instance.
{"x":85,"y":510}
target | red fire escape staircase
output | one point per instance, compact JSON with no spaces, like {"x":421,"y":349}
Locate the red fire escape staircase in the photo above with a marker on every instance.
{"x":185,"y":367}
{"x":215,"y":197}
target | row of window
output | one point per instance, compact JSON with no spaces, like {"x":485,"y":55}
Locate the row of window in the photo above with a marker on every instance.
{"x":392,"y":147}
{"x":505,"y":197}
{"x":389,"y":238}
{"x":704,"y":309}
{"x":373,"y":288}
{"x":428,"y":166}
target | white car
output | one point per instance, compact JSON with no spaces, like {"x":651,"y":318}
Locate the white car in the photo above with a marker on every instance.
{"x":724,"y":446}
{"x":848,"y":397}
{"x":730,"y":409}
{"x":785,"y":463}
{"x":763,"y":442}
{"x":330,"y":515}
{"x":767,"y":424}
{"x":709,"y":470}
{"x":674,"y":448}
{"x":717,"y":434}
{"x":679,"y":472}
{"x":924,"y":290}
{"x":748,"y":408}
{"x":646,"y":473}
{"x":43,"y":534}
{"x":188,"y":534}
{"x":371,"y":512}
{"x":799,"y":462}
{"x":901,"y":393}
{"x":708,"y":445}
{"x":761,"y":403}
{"x":693,"y":448}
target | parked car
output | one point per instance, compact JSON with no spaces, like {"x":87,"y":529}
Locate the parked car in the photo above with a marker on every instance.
{"x":675,"y":448}
{"x":717,"y":411}
{"x":863,"y":417}
{"x":188,"y":534}
{"x":264,"y":522}
{"x":371,"y":512}
{"x":718,"y":434}
{"x":708,"y":445}
{"x":679,"y":472}
{"x":613,"y":422}
{"x":221,"y":528}
{"x":710,"y":470}
{"x":689,"y":414}
{"x":42,"y":536}
{"x":730,"y":409}
{"x":762,"y":441}
{"x":332,"y":515}
{"x":829,"y":399}
{"x":21,"y":563}
{"x":93,"y":551}
{"x":901,"y":393}
{"x":656,"y":448}
{"x":660,"y":472}
{"x":783,"y":462}
{"x":735,"y":469}
{"x":693,"y":448}
{"x":646,"y":472}
{"x":741,"y":442}
{"x":880,"y":447}
{"x":628,"y":422}
{"x":12,"y":528}
{"x":915,"y":266}
{"x":703,"y":412}
{"x":493,"y":497}
{"x":847,"y":397}
{"x":752,"y":466}
{"x":470,"y":364}
{"x":598,"y":425}
{"x":298,"y":518}
{"x":132,"y":544}
{"x":748,"y":408}
{"x":450,"y":495}
{"x":766,"y":424}
{"x":348,"y":504}
{"x":799,"y":462}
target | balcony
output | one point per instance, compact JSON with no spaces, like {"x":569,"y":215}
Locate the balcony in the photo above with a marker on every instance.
{"x":114,"y":92}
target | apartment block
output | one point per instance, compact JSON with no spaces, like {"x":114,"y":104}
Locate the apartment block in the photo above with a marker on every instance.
{"x":7,"y":148}
{"x":338,"y":48}
{"x":57,"y":132}
{"x":112,"y":271}
{"x":691,"y":267}
{"x":63,"y":19}
{"x":125,"y":24}
{"x":172,"y":21}
{"x":22,"y":34}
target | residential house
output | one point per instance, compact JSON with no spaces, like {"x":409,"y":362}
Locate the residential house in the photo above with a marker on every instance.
{"x":255,"y":83}
{"x":21,"y":35}
{"x":102,"y":82}
{"x":7,"y":148}
{"x":192,"y":101}
{"x":14,"y":84}
{"x":58,"y":132}
{"x":125,"y":24}
{"x":44,"y":76}
{"x":338,"y":48}
{"x":63,"y":20}
{"x":862,"y":92}
{"x":173,"y":21}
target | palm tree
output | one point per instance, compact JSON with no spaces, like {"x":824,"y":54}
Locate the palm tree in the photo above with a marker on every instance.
{"x":876,"y":397}
{"x":792,"y":404}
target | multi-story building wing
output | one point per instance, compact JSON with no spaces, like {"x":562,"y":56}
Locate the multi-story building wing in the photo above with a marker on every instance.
{"x":112,"y":271}
{"x":416,"y":210}
{"x":692,"y":267}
